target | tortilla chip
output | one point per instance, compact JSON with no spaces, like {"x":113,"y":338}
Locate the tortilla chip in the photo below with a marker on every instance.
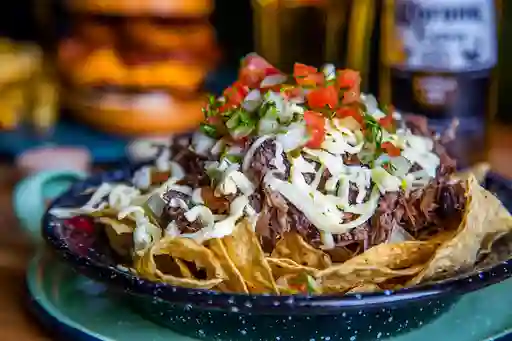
{"x":378,"y":264}
{"x":283,"y":266}
{"x":392,"y":256}
{"x":119,"y":234}
{"x":478,"y":171}
{"x":347,"y":278}
{"x":184,"y":250}
{"x":292,"y":246}
{"x":235,"y":281}
{"x":364,"y":287}
{"x":244,"y":249}
{"x":485,"y":219}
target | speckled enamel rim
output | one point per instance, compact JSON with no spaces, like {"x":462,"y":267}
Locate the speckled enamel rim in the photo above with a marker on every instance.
{"x":258,"y":304}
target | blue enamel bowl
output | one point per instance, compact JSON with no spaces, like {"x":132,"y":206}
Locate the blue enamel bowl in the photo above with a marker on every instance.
{"x":218,"y":316}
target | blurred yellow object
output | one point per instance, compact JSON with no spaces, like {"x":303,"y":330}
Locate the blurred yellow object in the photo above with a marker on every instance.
{"x":45,"y":102}
{"x":144,"y":7}
{"x":12,"y":106}
{"x":18,"y":61}
{"x":25,"y":87}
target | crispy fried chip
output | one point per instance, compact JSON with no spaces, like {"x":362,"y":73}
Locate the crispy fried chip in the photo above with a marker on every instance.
{"x":484,"y":220}
{"x":244,"y":249}
{"x":119,"y":234}
{"x":378,"y":264}
{"x":235,"y":281}
{"x":392,"y":256}
{"x":347,"y":278}
{"x":292,"y":246}
{"x":283,"y":266}
{"x":364,"y":287}
{"x":184,"y":250}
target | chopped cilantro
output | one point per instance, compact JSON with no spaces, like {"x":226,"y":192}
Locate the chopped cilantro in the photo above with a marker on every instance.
{"x":209,"y":130}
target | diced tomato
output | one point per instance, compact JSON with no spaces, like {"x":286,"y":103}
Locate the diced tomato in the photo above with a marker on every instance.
{"x":290,"y":91}
{"x":312,"y":80}
{"x":302,"y":288}
{"x":350,"y":112}
{"x":303,"y":70}
{"x":307,"y":75}
{"x":251,"y":78}
{"x":348,"y":79}
{"x":387,"y":122}
{"x":352,"y":95}
{"x":254,"y":69}
{"x":391,"y":149}
{"x":322,"y":98}
{"x":235,"y":94}
{"x":255,"y":61}
{"x":82,"y":224}
{"x":316,"y":126}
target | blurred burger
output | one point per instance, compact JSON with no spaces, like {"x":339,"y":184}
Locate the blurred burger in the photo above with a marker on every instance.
{"x":166,"y":8}
{"x":130,"y":72}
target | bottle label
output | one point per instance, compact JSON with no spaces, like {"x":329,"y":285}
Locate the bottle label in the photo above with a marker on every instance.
{"x":444,"y":35}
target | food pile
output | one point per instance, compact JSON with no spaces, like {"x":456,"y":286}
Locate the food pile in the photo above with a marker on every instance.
{"x":299,"y":184}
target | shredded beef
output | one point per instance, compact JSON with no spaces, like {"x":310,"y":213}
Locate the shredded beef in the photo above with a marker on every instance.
{"x":177,"y":214}
{"x":278,"y":215}
{"x":192,"y":163}
{"x":423,"y":212}
{"x":417,"y":214}
{"x":260,"y":162}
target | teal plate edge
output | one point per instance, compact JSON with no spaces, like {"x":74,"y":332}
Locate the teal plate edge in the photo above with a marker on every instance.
{"x":98,"y":316}
{"x":89,"y":312}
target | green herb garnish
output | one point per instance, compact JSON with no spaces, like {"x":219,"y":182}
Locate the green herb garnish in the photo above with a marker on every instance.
{"x":209,"y":130}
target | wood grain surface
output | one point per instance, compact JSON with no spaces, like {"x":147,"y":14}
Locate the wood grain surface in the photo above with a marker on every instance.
{"x":15,"y":249}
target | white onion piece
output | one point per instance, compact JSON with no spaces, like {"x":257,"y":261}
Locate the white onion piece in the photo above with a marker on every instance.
{"x":268,"y":126}
{"x":272,"y":80}
{"x":296,"y":136}
{"x":202,"y":144}
{"x":252,"y":101}
{"x":329,"y":71}
{"x":218,"y":147}
{"x":197,"y":197}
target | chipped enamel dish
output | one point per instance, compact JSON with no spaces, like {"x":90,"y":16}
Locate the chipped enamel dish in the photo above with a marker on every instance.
{"x":223,"y":316}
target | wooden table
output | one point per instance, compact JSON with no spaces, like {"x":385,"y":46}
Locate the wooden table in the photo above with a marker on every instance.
{"x":15,"y":249}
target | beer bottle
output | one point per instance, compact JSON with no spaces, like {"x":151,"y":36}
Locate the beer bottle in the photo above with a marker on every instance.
{"x":438,"y":59}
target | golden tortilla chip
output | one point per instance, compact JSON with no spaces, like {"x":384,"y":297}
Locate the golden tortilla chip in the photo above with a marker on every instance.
{"x":234,"y":282}
{"x":364,"y":287}
{"x":282,"y":266}
{"x":119,"y":234}
{"x":292,"y":246}
{"x":208,"y":271}
{"x":378,"y":264}
{"x":392,"y":256}
{"x":484,"y":220}
{"x":244,"y":249}
{"x":347,"y":278}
